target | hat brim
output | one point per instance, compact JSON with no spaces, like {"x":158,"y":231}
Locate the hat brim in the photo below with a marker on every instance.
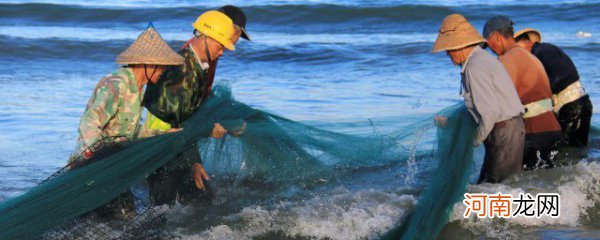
{"x":150,"y":48}
{"x":245,"y":34}
{"x":447,"y":45}
{"x":229,"y":46}
{"x":526,"y":31}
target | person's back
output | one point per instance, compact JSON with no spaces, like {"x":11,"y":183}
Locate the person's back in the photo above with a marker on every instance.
{"x":572,"y":105}
{"x":500,"y":87}
{"x":531,"y":82}
{"x":559,"y":67}
{"x":496,"y":85}
{"x":103,"y":116}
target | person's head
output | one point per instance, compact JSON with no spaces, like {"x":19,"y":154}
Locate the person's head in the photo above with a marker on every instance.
{"x":527,"y":37}
{"x":215,"y":31}
{"x":499,"y":33}
{"x":212,"y":48}
{"x":459,"y":56}
{"x":239,"y":20}
{"x":148,"y":56}
{"x":457,"y":37}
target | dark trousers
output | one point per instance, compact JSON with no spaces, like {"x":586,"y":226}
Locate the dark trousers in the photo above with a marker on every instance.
{"x":574,"y":119}
{"x":175,"y":181}
{"x":503,"y":151}
{"x":540,"y":149}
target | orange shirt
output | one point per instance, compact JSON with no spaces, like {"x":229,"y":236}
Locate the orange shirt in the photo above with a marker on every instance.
{"x":531,"y":82}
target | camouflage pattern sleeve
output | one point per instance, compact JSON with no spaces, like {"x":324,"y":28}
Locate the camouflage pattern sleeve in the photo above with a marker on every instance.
{"x":101,"y":108}
{"x":163,"y":98}
{"x":179,"y":92}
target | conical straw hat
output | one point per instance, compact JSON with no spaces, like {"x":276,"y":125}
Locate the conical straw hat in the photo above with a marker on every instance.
{"x":149,"y":48}
{"x":456,"y":33}
{"x":532,"y":34}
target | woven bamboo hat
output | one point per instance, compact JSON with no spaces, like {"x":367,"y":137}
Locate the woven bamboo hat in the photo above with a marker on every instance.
{"x":533,"y":34}
{"x":149,"y":48}
{"x":456,"y":33}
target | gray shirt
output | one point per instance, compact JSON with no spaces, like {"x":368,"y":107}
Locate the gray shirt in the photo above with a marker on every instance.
{"x":490,"y":95}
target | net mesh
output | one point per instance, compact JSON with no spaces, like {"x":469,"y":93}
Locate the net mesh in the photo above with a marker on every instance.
{"x":272,"y":151}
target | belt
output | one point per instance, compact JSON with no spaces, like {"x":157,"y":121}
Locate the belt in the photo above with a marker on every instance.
{"x":567,"y":95}
{"x":504,"y":123}
{"x":534,"y":109}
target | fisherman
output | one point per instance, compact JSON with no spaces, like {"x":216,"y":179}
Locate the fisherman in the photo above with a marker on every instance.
{"x":114,"y":110}
{"x":572,"y":106}
{"x":115,"y":107}
{"x":239,"y":23}
{"x":531,"y":81}
{"x":489,"y":96}
{"x":180,"y":93}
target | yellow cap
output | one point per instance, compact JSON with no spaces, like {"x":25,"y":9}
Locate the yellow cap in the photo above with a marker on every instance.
{"x":217,"y":26}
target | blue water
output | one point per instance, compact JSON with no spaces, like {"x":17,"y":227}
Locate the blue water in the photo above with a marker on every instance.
{"x":314,"y":61}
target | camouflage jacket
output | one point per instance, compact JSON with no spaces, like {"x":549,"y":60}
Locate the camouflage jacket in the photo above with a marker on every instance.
{"x":180,"y":91}
{"x":114,"y":109}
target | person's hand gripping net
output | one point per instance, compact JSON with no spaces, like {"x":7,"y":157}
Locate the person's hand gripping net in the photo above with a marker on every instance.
{"x":218,"y":131}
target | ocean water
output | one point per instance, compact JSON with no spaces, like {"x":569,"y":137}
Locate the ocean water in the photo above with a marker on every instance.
{"x":320,"y":62}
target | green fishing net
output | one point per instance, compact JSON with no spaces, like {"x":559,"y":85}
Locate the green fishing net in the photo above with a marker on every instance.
{"x":455,"y":156}
{"x":273,"y":150}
